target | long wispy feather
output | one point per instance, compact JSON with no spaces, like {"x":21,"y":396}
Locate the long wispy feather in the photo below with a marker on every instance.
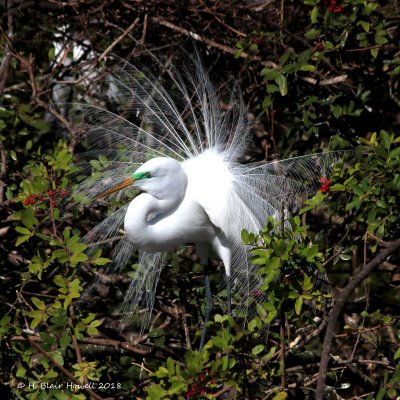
{"x":185,"y":121}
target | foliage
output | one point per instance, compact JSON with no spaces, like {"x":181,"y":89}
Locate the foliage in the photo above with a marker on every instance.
{"x":324,"y":76}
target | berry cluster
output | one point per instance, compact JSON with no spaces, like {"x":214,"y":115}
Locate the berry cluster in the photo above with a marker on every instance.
{"x":333,"y":7}
{"x":199,"y":385}
{"x":51,"y":195}
{"x":326,"y":183}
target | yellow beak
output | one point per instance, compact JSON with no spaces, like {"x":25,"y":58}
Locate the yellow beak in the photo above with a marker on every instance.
{"x":125,"y":183}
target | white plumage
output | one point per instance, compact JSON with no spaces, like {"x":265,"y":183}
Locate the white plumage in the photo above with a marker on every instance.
{"x":197,"y":190}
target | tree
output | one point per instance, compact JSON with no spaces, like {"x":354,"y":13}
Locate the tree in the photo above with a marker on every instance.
{"x":316,"y":75}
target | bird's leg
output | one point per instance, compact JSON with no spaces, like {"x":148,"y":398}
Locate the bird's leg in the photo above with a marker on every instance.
{"x":208,"y":304}
{"x":229,"y":294}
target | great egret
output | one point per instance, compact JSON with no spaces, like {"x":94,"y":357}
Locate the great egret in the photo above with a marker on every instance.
{"x":184,"y":152}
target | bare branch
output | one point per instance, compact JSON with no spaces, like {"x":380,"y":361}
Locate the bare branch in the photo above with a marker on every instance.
{"x":359,"y":275}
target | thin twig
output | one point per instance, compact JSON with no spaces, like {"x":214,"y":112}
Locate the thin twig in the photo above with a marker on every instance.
{"x":116,"y":41}
{"x":143,"y":38}
{"x":325,"y":82}
{"x":223,"y":23}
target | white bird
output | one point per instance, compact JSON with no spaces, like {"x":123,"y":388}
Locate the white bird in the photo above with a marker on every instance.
{"x":184,"y":153}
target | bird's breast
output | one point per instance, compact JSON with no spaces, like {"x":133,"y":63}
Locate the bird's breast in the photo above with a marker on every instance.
{"x":153,"y":231}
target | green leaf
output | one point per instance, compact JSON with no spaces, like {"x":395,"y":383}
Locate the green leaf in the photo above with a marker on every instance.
{"x":257,"y":349}
{"x":385,"y":139}
{"x":328,"y":45}
{"x":307,"y":68}
{"x":28,"y":218}
{"x":366,"y":25}
{"x":280,"y":396}
{"x":220,"y":342}
{"x":269,"y":74}
{"x":245,"y":236}
{"x":56,"y":355}
{"x":21,"y":372}
{"x":13,"y":155}
{"x":397,"y":354}
{"x":312,"y":34}
{"x":101,"y":261}
{"x":38,"y":303}
{"x":282,"y":83}
{"x":65,"y":340}
{"x":22,"y":239}
{"x":314,"y":15}
{"x":271,"y":88}
{"x":51,"y":53}
{"x":298,"y":305}
{"x":21,"y":229}
{"x":170,"y":365}
{"x":381,"y":40}
{"x":374,"y":52}
{"x":60,"y":281}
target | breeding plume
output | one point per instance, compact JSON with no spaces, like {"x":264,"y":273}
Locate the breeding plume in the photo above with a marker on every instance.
{"x":184,"y":152}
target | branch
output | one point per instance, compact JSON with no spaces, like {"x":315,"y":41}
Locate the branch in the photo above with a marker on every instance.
{"x":5,"y":64}
{"x":90,"y":392}
{"x":127,"y":346}
{"x":3,"y":171}
{"x":359,"y":275}
{"x":27,"y":64}
{"x":213,"y":43}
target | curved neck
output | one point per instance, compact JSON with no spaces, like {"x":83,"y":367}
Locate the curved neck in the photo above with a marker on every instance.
{"x":142,"y":216}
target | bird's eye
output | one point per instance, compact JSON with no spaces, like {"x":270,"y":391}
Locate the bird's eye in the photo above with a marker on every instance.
{"x":148,"y":174}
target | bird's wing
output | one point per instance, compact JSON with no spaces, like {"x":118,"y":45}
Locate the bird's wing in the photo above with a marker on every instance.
{"x":245,"y":196}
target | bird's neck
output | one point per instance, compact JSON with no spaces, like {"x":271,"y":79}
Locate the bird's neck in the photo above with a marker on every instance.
{"x":142,"y":216}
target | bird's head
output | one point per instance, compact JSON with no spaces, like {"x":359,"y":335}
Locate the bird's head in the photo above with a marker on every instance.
{"x":160,"y":177}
